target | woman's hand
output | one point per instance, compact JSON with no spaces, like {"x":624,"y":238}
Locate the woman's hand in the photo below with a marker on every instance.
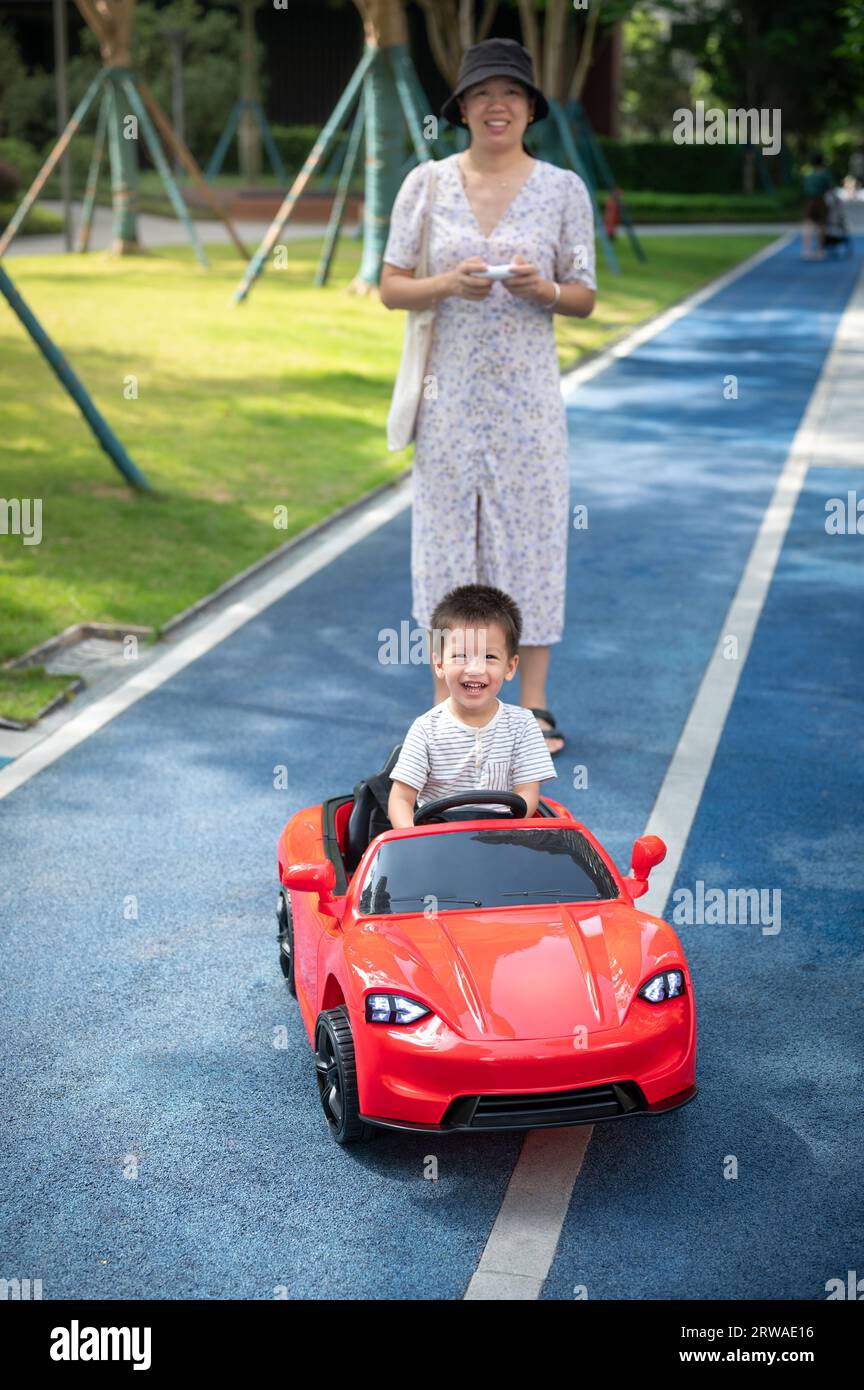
{"x":468,"y":286}
{"x":528,"y":282}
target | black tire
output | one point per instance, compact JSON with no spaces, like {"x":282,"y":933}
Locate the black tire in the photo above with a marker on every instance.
{"x":286,"y":941}
{"x":336,"y":1071}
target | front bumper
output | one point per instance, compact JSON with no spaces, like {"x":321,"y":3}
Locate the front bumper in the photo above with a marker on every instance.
{"x":426,"y":1077}
{"x":564,"y":1109}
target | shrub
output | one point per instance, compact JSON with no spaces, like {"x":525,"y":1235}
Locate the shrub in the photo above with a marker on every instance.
{"x":294,"y":143}
{"x":10,"y":182}
{"x":23,"y":159}
{"x":38,"y":221}
{"x":79,"y":155}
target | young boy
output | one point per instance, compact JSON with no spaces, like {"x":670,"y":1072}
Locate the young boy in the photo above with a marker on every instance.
{"x":472,"y":740}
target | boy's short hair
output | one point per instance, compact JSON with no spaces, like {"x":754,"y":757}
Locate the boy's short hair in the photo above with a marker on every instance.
{"x":477,"y":605}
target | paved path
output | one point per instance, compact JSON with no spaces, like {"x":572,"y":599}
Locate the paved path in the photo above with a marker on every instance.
{"x":155,"y":230}
{"x":140,"y":986}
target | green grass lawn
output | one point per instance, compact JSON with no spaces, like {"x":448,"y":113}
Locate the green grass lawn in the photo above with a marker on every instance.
{"x":281,"y":402}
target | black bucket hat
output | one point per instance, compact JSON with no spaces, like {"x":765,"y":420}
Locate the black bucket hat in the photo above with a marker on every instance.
{"x":494,"y":58}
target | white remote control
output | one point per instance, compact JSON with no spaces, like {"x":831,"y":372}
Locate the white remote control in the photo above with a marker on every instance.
{"x":495,"y":272}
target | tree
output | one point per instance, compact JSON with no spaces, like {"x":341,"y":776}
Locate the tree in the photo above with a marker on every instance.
{"x":655,"y":82}
{"x":210,"y":68}
{"x":779,"y":55}
{"x":563,"y":40}
{"x":850,"y":49}
{"x":111,"y":21}
{"x":451,"y":27}
{"x":12,"y":75}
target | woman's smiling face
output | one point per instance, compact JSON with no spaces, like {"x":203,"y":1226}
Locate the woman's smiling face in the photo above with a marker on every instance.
{"x":497,"y":111}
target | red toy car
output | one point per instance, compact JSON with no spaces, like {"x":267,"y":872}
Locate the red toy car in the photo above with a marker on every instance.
{"x":479,"y":974}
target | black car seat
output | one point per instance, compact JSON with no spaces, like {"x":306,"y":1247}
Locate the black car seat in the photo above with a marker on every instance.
{"x":369,"y":813}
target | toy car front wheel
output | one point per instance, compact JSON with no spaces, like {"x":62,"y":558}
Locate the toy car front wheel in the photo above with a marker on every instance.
{"x":336,"y":1071}
{"x":286,"y":941}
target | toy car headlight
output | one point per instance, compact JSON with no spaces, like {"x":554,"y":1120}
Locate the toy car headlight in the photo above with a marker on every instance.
{"x":666,"y":985}
{"x":393,"y":1008}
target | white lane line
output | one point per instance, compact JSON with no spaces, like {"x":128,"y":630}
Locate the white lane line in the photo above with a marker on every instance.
{"x":523,"y":1240}
{"x":211,"y":632}
{"x":522,"y":1243}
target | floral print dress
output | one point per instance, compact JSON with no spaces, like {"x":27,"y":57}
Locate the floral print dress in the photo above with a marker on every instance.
{"x":490,"y":476}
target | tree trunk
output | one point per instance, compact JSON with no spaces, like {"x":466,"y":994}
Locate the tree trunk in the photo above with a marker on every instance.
{"x":123,"y":156}
{"x":111,"y":22}
{"x":586,"y":53}
{"x":249,"y":136}
{"x":531,"y":36}
{"x":384,"y":132}
{"x":748,"y":172}
{"x":451,"y":28}
{"x":554,"y":35}
{"x":442,"y":33}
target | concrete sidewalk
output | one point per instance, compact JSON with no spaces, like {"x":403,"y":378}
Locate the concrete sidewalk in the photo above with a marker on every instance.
{"x":155,"y":230}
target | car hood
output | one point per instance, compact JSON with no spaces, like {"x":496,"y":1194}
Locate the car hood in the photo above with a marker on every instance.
{"x":527,"y":972}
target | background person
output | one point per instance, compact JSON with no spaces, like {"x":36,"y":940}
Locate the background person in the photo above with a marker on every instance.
{"x":855,"y":177}
{"x":815,"y":184}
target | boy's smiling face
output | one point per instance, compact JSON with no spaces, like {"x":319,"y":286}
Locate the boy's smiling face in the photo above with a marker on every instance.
{"x":475,"y":665}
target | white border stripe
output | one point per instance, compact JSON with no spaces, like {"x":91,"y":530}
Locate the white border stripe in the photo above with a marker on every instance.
{"x":509,"y":1268}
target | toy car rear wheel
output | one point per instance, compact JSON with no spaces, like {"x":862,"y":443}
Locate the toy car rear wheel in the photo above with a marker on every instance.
{"x":286,"y":941}
{"x":336,"y":1070}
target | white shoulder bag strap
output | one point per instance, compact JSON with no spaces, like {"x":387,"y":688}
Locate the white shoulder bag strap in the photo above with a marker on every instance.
{"x":408,"y":390}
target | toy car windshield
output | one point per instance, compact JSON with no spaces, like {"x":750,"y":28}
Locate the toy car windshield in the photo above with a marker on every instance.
{"x":484,"y":868}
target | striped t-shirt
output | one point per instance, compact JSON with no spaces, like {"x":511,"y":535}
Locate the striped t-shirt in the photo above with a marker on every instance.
{"x":441,"y":755}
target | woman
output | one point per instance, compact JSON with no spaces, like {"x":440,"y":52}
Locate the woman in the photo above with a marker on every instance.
{"x":491,"y":478}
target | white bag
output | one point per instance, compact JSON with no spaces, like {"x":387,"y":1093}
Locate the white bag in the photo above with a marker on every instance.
{"x":402,"y":419}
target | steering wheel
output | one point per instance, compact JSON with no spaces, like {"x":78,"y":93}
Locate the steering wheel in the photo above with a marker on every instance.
{"x":433,"y":810}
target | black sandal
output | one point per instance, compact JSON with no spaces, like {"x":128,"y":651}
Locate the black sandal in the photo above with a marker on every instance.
{"x":553,"y":732}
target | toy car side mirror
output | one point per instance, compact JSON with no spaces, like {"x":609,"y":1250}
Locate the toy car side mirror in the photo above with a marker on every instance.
{"x":648,"y":852}
{"x":310,"y":878}
{"x":315,"y":878}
